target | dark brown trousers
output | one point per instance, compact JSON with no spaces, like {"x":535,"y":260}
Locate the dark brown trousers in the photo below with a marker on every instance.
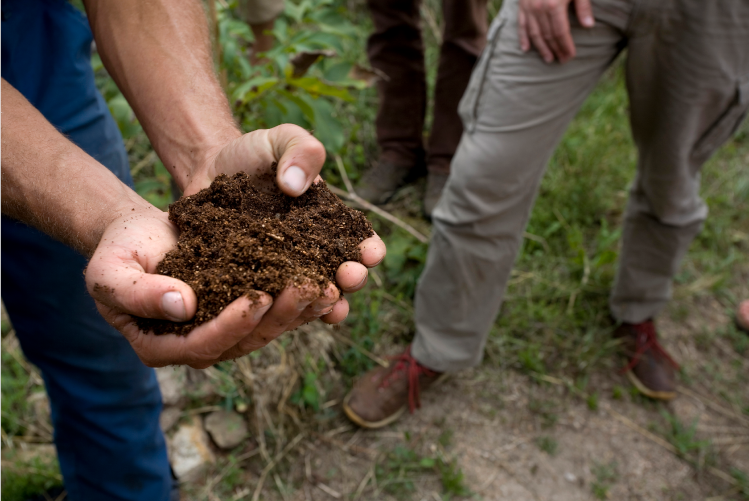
{"x":396,"y":48}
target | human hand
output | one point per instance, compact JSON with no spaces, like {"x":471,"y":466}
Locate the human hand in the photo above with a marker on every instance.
{"x":545,"y":25}
{"x":121,"y":274}
{"x":122,"y":279}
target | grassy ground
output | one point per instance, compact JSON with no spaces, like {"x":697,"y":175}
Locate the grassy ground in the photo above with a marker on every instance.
{"x":550,"y":361}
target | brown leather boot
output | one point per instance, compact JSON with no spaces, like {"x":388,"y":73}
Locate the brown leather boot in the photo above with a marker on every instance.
{"x":436,"y":182}
{"x":380,"y":183}
{"x":651,"y":369}
{"x":742,"y":317}
{"x":381,"y":395}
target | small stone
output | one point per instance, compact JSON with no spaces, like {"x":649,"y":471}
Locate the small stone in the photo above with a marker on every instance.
{"x":570,"y":477}
{"x":227,"y":429}
{"x":189,"y":451}
{"x":172,"y":384}
{"x":169,"y":417}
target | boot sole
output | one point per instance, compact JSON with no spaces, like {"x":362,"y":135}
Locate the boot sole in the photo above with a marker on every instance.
{"x":658,"y":395}
{"x":371,"y":425}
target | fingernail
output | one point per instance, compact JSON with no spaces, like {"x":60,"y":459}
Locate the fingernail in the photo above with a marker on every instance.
{"x":588,"y":21}
{"x":262,"y":311}
{"x":321,"y":308}
{"x":295,"y":179}
{"x":363,"y":281}
{"x":174,"y":306}
{"x":301,"y":306}
{"x":324,"y":312}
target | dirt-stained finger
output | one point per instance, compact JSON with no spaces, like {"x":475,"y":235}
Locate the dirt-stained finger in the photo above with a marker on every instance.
{"x":351,"y":276}
{"x":373,"y":251}
{"x":300,"y":155}
{"x":339,"y":313}
{"x":235,"y":322}
{"x":287,"y":307}
{"x":324,"y":302}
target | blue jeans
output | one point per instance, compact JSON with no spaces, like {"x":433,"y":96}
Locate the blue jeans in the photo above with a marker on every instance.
{"x":105,"y":403}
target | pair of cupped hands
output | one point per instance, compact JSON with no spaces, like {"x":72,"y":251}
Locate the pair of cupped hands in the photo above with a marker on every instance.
{"x":121,"y":274}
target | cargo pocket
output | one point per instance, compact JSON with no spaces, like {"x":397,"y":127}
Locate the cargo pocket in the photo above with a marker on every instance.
{"x":723,"y":128}
{"x":469,"y":102}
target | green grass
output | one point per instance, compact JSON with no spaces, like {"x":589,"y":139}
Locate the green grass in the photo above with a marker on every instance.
{"x":15,"y":392}
{"x":23,"y":478}
{"x":402,"y":466}
{"x":396,"y":473}
{"x":683,"y":437}
{"x":548,"y":444}
{"x":742,"y":480}
{"x":605,"y":476}
{"x":546,"y":410}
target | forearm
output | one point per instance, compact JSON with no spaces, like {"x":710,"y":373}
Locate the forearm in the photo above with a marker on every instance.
{"x":53,"y":185}
{"x":159,"y":53}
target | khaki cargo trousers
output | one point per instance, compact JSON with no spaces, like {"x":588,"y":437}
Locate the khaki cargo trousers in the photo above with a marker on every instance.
{"x":688,"y":82}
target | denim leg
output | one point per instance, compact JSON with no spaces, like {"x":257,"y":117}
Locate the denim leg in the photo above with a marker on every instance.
{"x":105,"y":403}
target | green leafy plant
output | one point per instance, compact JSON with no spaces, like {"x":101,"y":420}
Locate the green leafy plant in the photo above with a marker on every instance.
{"x":302,"y":77}
{"x":156,"y":188}
{"x":308,"y":394}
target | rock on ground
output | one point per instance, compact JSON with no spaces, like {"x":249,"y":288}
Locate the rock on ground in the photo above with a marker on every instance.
{"x":180,"y":383}
{"x":227,"y":429}
{"x":190,"y":451}
{"x":169,"y":417}
{"x":172,"y":383}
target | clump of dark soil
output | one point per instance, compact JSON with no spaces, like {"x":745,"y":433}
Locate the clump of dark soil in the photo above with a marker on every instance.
{"x":242,"y":234}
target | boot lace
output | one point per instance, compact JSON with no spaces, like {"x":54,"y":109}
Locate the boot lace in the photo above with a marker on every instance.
{"x":646,"y":340}
{"x":405,"y":363}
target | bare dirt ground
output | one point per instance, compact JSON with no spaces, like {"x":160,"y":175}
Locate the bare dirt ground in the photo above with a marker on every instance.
{"x":499,"y":424}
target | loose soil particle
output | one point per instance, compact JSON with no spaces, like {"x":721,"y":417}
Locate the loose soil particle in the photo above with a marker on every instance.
{"x":242,"y":234}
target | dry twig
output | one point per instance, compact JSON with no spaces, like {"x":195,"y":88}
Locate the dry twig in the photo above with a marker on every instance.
{"x":363,"y":351}
{"x":273,"y":464}
{"x":351,"y":195}
{"x":714,"y":405}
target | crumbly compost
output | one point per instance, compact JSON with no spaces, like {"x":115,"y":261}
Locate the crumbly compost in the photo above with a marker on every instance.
{"x":242,"y":234}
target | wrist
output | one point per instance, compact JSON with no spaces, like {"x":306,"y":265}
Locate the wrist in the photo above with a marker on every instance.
{"x":190,"y":159}
{"x":124,"y":205}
